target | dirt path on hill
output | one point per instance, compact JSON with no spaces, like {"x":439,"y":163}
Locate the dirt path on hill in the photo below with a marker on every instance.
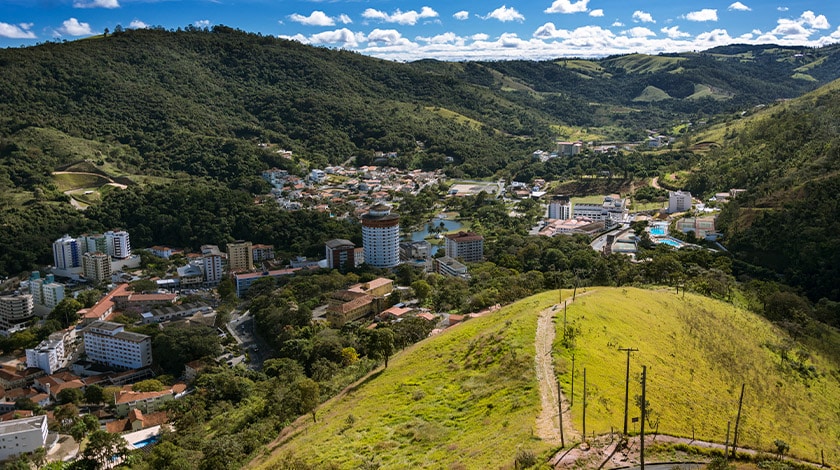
{"x":655,"y":183}
{"x":547,"y":425}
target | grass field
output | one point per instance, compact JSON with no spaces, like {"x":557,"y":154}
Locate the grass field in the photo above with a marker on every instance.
{"x":652,"y":94}
{"x":640,"y":63}
{"x":68,"y":182}
{"x":699,"y":352}
{"x":467,"y":398}
{"x":705,"y":91}
{"x":459,"y":118}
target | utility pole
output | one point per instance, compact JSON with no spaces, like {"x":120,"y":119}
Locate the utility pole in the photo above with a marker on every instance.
{"x":644,"y":417}
{"x":584,"y":404}
{"x":738,"y":421}
{"x":726,"y":447}
{"x":572,"y":401}
{"x":627,"y":384}
{"x":560,"y":413}
{"x":565,"y":309}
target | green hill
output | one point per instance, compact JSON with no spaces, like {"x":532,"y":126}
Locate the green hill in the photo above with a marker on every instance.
{"x":652,"y":94}
{"x":469,"y":398}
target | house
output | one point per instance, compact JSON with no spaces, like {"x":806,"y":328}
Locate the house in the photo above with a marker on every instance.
{"x":136,"y":420}
{"x":127,"y":399}
{"x":395,"y":313}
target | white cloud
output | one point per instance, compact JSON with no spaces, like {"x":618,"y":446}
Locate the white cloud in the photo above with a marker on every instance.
{"x":342,"y":37}
{"x":480,"y":37}
{"x":21,"y":31}
{"x":316,"y":18}
{"x":137,"y":24}
{"x":567,"y":6}
{"x":716,"y":37}
{"x":504,"y":14}
{"x":297,"y":37}
{"x":409,"y":17}
{"x":738,"y":6}
{"x":201,"y":23}
{"x":387,"y":37}
{"x":639,"y":32}
{"x":597,"y":13}
{"x":73,"y":27}
{"x":617,"y":24}
{"x":816,"y":22}
{"x":344,"y":19}
{"x":96,"y":4}
{"x":783,"y":8}
{"x":461,"y":15}
{"x":674,"y":32}
{"x":445,"y":38}
{"x":550,"y":31}
{"x":706,"y":14}
{"x":644,"y":17}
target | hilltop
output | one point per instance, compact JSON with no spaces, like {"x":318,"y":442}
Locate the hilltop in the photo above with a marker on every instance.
{"x":469,"y":398}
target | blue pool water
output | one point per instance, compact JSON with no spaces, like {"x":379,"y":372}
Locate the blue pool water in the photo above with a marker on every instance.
{"x":145,"y":442}
{"x":657,"y":230}
{"x":671,"y":242}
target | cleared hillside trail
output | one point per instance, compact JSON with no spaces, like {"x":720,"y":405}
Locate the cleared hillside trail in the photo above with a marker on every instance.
{"x":547,"y":425}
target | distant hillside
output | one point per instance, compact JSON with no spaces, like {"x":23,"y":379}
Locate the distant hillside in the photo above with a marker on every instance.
{"x":787,"y":157}
{"x":469,"y":397}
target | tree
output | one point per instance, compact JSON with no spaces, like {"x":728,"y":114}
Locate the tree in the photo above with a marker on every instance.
{"x":150,"y":385}
{"x":66,"y":312}
{"x":143,"y":285}
{"x":227,"y":290}
{"x":94,"y":394}
{"x":102,"y":446}
{"x":89,"y":297}
{"x":381,"y":344}
{"x":421,"y":289}
{"x":70,"y":395}
{"x":66,"y":415}
{"x":310,"y":396}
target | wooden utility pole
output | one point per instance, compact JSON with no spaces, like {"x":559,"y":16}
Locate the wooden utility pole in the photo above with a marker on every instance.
{"x":644,"y":417}
{"x":627,"y":384}
{"x":560,"y":414}
{"x":738,"y":421}
{"x":584,"y":404}
{"x":726,"y":446}
{"x":565,"y":309}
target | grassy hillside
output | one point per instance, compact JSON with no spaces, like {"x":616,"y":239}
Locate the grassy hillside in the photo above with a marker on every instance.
{"x":698,"y":352}
{"x":465,"y":399}
{"x":469,"y":398}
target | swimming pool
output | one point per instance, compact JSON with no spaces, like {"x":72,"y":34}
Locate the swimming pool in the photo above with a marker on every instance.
{"x":145,"y":442}
{"x":657,"y":230}
{"x":670,"y":242}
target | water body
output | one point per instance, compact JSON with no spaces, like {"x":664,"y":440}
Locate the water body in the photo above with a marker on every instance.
{"x":449,"y":226}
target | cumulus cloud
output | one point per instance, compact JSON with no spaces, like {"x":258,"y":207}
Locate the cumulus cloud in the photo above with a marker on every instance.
{"x":445,"y":38}
{"x":597,"y":13}
{"x":504,"y":14}
{"x":461,"y":15}
{"x":814,"y":21}
{"x":706,"y":14}
{"x":639,"y":32}
{"x":16,"y":31}
{"x":202,"y":23}
{"x":567,"y":6}
{"x":137,"y":24}
{"x":738,"y":6}
{"x":643,"y":17}
{"x":799,"y":29}
{"x":550,"y":31}
{"x":316,"y":18}
{"x":342,"y":18}
{"x":716,"y":37}
{"x":617,"y":24}
{"x":341,"y":37}
{"x":96,"y":4}
{"x":409,"y":17}
{"x":387,"y":37}
{"x":480,"y":37}
{"x":73,"y":27}
{"x":674,"y":32}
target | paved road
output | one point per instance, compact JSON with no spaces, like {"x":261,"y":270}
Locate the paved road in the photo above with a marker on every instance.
{"x":242,"y":329}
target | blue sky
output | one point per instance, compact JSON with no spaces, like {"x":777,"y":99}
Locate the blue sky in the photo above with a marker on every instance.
{"x":450,"y":30}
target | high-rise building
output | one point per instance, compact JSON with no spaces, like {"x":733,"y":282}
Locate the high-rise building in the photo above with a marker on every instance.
{"x":560,"y":208}
{"x":97,"y":267}
{"x":108,"y":343}
{"x":468,"y":246}
{"x":240,"y":256}
{"x":381,"y":237}
{"x":340,"y":254}
{"x":15,"y":311}
{"x":47,"y":356}
{"x":212,"y":267}
{"x":119,"y":245}
{"x":95,"y":243}
{"x":45,"y":291}
{"x":67,"y":253}
{"x":679,"y":201}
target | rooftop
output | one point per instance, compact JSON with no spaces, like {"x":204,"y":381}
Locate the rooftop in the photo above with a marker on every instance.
{"x":23,"y":424}
{"x":464,"y":237}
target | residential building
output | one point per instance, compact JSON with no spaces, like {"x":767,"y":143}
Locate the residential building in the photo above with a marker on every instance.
{"x":358,"y":301}
{"x":143,"y":302}
{"x":560,"y":208}
{"x":679,"y":201}
{"x":67,"y":253}
{"x":701,"y":226}
{"x":148,"y":402}
{"x":212,"y":267}
{"x":15,"y":311}
{"x":263,"y":252}
{"x":103,"y":309}
{"x":381,"y":237}
{"x":45,"y":291}
{"x":95,"y":243}
{"x":420,"y":249}
{"x":162,"y":251}
{"x":243,"y":281}
{"x":568,"y":149}
{"x":48,"y":356}
{"x":191,"y":275}
{"x":240,"y":256}
{"x":20,"y":436}
{"x":97,"y":267}
{"x":119,"y":245}
{"x":340,"y":254}
{"x":467,"y":246}
{"x":108,"y":343}
{"x":448,"y":266}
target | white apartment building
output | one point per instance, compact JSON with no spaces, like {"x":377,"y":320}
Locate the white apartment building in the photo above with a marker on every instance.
{"x":48,"y":356}
{"x":679,"y":201}
{"x":67,"y":253}
{"x":108,"y":343}
{"x":381,"y":237}
{"x":560,"y":208}
{"x":19,"y":436}
{"x":119,"y":244}
{"x":212,"y":267}
{"x":95,"y":243}
{"x":97,"y":267}
{"x":45,"y":291}
{"x":15,"y":311}
{"x":468,"y":246}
